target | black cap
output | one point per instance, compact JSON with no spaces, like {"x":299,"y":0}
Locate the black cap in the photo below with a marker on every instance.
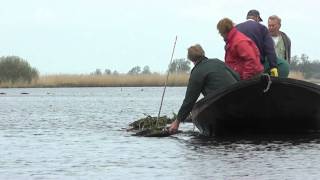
{"x":254,"y":13}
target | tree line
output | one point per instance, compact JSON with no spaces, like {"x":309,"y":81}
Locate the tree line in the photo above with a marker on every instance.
{"x":15,"y":69}
{"x":309,"y":69}
{"x":177,"y":66}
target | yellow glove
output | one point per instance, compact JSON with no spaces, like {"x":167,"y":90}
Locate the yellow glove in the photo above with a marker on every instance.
{"x":274,"y":72}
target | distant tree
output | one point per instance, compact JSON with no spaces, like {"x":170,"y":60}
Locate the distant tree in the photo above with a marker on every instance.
{"x":15,"y":69}
{"x":107,"y":71}
{"x":309,"y":69}
{"x":135,"y":70}
{"x":115,"y":72}
{"x":179,"y":66}
{"x":294,"y":62}
{"x":97,"y":72}
{"x":146,"y":70}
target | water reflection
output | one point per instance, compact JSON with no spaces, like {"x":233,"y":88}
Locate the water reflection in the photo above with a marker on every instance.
{"x":257,"y":142}
{"x":252,"y":157}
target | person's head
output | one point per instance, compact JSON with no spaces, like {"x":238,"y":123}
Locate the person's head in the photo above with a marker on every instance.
{"x":255,"y":15}
{"x":274,"y":24}
{"x":195,"y":53}
{"x":224,"y":26}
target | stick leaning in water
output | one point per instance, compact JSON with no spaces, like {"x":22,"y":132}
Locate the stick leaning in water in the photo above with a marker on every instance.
{"x":165,"y":83}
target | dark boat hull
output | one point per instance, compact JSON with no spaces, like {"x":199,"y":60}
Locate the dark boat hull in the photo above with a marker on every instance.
{"x":289,"y":106}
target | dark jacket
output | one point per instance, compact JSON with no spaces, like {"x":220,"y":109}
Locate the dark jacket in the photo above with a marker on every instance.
{"x":242,"y":55}
{"x":287,"y":46}
{"x":206,"y":76}
{"x":260,"y":35}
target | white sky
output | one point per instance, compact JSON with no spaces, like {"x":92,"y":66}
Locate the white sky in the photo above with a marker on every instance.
{"x":79,"y":36}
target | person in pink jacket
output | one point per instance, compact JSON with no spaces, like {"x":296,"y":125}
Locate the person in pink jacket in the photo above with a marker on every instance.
{"x":242,"y":54}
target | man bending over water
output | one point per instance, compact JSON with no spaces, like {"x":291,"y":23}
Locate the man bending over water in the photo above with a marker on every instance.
{"x":206,"y":76}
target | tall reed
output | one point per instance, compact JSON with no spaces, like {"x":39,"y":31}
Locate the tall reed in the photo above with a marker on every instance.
{"x":296,"y":75}
{"x":65,"y":80}
{"x":121,"y":80}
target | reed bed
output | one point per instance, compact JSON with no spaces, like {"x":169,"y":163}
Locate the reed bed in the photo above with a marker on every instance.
{"x":122,"y":80}
{"x":296,"y":75}
{"x":64,"y":80}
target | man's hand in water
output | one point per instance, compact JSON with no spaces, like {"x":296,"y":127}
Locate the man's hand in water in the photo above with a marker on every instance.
{"x":174,"y":127}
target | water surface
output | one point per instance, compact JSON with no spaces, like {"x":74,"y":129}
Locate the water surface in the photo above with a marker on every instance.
{"x":78,"y":133}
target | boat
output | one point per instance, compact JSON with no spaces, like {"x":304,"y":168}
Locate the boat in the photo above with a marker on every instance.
{"x":264,"y":105}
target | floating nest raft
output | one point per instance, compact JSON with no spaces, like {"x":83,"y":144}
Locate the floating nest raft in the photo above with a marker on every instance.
{"x":151,"y":127}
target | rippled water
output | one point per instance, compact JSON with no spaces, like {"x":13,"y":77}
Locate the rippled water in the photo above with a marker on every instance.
{"x":78,"y":133}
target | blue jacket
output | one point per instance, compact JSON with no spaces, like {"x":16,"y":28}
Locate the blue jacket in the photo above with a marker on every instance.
{"x":260,"y":35}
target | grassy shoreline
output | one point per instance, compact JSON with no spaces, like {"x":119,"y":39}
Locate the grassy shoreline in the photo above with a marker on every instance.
{"x":49,"y":81}
{"x":122,"y":80}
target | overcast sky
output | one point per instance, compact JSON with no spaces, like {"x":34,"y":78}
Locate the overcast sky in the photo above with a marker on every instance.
{"x":79,"y":36}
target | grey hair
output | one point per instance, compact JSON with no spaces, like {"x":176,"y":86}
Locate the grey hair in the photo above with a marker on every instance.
{"x":275,"y":17}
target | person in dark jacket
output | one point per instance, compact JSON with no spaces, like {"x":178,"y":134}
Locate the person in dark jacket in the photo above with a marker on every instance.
{"x":242,"y":54}
{"x":260,"y":35}
{"x":281,"y":40}
{"x":207,"y":76}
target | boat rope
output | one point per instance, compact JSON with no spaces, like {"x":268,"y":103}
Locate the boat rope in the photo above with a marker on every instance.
{"x":269,"y":82}
{"x":165,"y":83}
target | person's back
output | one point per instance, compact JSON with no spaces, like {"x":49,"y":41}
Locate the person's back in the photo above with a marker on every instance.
{"x":255,"y":31}
{"x":214,"y":74}
{"x":242,"y":55}
{"x":260,"y":35}
{"x":207,"y":76}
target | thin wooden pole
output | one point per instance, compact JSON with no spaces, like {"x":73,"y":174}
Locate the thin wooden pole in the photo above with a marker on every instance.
{"x":165,"y":83}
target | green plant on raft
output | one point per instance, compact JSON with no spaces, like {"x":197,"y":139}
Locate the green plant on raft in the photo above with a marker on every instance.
{"x":151,"y":126}
{"x":150,"y":122}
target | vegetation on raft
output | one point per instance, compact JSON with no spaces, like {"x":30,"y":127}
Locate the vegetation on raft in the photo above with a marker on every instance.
{"x":151,"y":126}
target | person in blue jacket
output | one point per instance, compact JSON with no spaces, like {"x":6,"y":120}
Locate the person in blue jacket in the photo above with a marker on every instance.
{"x":259,"y":33}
